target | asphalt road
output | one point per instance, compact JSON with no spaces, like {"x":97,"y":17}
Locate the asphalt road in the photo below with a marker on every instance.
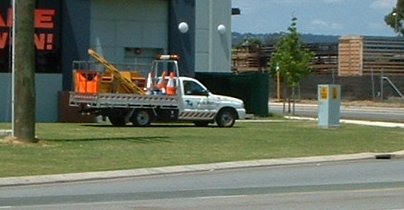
{"x":370,"y":184}
{"x":347,"y":112}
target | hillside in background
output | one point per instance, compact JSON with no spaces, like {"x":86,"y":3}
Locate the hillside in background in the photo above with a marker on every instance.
{"x":238,"y":38}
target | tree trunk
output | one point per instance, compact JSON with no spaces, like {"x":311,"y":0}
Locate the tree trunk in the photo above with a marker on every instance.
{"x":289,"y":101}
{"x":293,"y":100}
{"x":24,"y":90}
{"x":285,"y":90}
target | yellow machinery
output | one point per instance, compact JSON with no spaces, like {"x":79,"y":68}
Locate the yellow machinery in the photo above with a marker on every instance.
{"x":125,"y":84}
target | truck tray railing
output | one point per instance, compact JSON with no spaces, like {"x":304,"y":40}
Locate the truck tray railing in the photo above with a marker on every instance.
{"x":103,"y":100}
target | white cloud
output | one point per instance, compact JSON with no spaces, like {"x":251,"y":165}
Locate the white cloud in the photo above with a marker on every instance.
{"x":383,"y":4}
{"x":324,"y":24}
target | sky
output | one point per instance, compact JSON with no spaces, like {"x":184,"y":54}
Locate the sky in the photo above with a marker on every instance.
{"x":325,"y":17}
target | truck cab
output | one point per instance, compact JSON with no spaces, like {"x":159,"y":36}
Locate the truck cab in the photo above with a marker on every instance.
{"x":201,"y":106}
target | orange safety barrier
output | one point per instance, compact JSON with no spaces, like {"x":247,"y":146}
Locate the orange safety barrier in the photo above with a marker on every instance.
{"x":86,"y":81}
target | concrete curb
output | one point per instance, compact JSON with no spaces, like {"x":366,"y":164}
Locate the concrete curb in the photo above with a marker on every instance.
{"x":76,"y":177}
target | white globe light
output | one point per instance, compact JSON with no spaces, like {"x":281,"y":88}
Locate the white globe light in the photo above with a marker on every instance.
{"x":221,"y":29}
{"x":183,"y":27}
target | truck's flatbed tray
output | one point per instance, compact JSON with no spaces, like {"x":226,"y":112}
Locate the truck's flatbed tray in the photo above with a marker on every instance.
{"x":112,"y":100}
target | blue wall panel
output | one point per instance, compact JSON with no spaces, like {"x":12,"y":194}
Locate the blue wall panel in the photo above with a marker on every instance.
{"x":47,"y":89}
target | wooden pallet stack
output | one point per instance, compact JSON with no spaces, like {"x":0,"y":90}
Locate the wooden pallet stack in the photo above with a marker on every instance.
{"x":325,"y":57}
{"x":365,"y":55}
{"x":244,"y":59}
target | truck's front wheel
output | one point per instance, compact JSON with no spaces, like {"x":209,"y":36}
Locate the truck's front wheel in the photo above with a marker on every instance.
{"x":226,"y":118}
{"x":141,"y":118}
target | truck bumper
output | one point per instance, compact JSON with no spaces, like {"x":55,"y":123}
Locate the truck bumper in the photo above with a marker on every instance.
{"x":241,"y":113}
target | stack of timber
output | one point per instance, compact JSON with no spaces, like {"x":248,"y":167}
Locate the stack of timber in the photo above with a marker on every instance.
{"x":245,"y":59}
{"x":366,"y":55}
{"x":257,"y":59}
{"x":325,"y":57}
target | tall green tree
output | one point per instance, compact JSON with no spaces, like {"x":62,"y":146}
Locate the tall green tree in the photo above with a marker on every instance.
{"x":291,"y":60}
{"x":393,"y":19}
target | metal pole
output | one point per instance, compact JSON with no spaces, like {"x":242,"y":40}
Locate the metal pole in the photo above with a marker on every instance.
{"x":13,"y":71}
{"x":278,"y":86}
{"x":381,"y":85}
{"x":373,"y":84}
{"x":395,"y":22}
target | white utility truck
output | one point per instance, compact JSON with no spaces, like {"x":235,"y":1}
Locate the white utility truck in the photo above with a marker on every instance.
{"x":160,"y":96}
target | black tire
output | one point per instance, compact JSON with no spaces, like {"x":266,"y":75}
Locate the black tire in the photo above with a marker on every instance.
{"x":141,"y":118}
{"x":201,"y":123}
{"x":117,"y":120}
{"x":226,"y":118}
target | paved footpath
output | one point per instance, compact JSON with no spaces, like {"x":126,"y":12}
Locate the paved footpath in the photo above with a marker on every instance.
{"x":75,"y":177}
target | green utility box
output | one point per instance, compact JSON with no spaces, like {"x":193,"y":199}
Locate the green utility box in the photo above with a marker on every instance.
{"x":252,"y":88}
{"x":329,"y":102}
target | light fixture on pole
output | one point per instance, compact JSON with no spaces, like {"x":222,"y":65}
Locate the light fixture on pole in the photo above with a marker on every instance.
{"x":221,"y":29}
{"x":395,"y":14}
{"x":183,"y":27}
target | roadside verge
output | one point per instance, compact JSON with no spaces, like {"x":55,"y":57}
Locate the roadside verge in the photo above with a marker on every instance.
{"x":92,"y":176}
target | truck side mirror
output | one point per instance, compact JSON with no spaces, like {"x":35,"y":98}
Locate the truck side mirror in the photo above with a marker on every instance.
{"x":205,"y":93}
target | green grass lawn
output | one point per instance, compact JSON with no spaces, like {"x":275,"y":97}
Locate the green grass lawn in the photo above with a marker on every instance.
{"x":67,"y":148}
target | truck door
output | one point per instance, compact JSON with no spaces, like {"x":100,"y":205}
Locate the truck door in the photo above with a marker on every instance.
{"x":196,"y":102}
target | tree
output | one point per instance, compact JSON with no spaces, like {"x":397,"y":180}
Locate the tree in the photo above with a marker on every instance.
{"x":292,"y":61}
{"x":393,"y":19}
{"x":24,"y":104}
{"x":252,"y":43}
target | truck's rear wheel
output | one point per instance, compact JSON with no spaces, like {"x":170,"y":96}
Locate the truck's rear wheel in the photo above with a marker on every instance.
{"x":226,"y":118}
{"x":117,"y":120}
{"x":141,"y":118}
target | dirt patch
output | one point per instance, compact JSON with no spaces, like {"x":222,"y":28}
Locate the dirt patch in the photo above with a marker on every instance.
{"x":15,"y":141}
